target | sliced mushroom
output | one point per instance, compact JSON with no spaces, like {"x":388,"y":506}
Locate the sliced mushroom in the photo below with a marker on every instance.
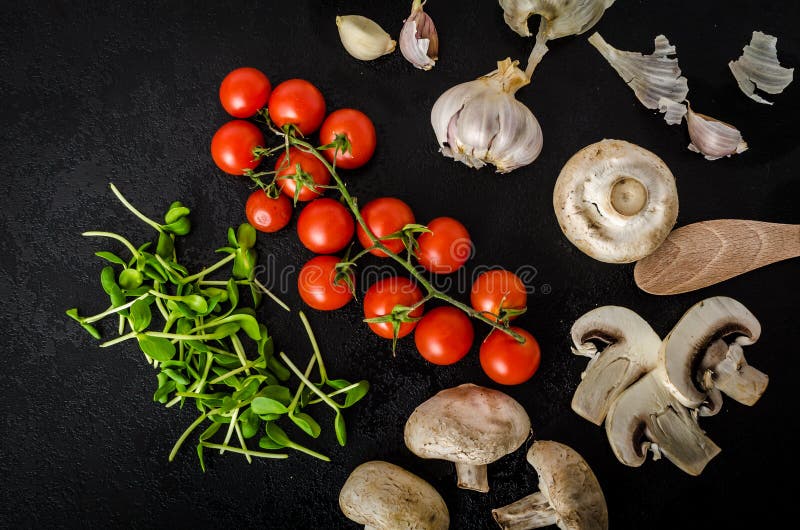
{"x":630,"y":351}
{"x":469,"y":425}
{"x":383,"y":496}
{"x":569,"y":494}
{"x":615,"y":201}
{"x":703,"y":353}
{"x":648,"y":417}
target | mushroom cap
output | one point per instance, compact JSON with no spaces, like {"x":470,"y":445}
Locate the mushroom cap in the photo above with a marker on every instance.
{"x":616,"y":201}
{"x":468,"y":424}
{"x":648,"y":417}
{"x":631,"y":351}
{"x":570,"y":485}
{"x":381,"y":495}
{"x":698,"y":329}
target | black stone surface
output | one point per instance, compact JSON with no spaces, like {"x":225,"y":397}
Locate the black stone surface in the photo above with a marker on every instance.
{"x":94,"y":92}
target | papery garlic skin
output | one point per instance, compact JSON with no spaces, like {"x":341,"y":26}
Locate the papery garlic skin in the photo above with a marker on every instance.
{"x":759,"y":67}
{"x":419,"y":42}
{"x":713,"y":138}
{"x":481,"y":122}
{"x":363,"y":38}
{"x":652,"y":78}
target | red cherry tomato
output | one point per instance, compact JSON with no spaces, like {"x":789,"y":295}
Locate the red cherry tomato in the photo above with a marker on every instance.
{"x":299,"y":103}
{"x":325,"y":226}
{"x":383,"y":296}
{"x":359,"y":131}
{"x":444,"y":335}
{"x":318,"y":287}
{"x":446,"y":247}
{"x":310,"y":165}
{"x":496,"y":288}
{"x":384,"y":216}
{"x":507,"y":361}
{"x":232,"y":146}
{"x":244,"y":91}
{"x":266,"y":214}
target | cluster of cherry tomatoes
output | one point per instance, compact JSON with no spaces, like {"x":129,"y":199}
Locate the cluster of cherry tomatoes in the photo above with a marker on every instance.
{"x":393,"y":306}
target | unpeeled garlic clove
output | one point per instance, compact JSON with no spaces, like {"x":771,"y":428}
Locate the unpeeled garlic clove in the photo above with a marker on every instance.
{"x":713,"y":138}
{"x":419,"y":42}
{"x":363,"y":38}
{"x":481,"y":122}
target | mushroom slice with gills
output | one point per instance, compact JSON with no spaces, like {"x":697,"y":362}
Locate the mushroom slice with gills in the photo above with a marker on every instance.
{"x":630,"y":350}
{"x":469,"y":425}
{"x":383,"y":496}
{"x":615,"y":201}
{"x":759,"y":67}
{"x":655,"y":79}
{"x":569,"y":494}
{"x":703,"y":352}
{"x":559,"y":18}
{"x":713,"y":138}
{"x":648,"y":417}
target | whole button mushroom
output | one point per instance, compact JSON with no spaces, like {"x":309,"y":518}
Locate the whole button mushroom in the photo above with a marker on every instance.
{"x":615,"y":201}
{"x":569,"y":494}
{"x":471,"y":426}
{"x":383,"y":496}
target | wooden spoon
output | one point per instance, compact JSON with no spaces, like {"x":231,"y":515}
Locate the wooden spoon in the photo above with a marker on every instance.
{"x":709,"y":252}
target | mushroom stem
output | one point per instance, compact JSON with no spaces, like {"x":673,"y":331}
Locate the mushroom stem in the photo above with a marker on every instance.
{"x":739,"y":380}
{"x":533,"y":511}
{"x":472,"y":476}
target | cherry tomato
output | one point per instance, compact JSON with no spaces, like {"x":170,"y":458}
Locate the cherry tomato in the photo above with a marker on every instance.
{"x":359,"y":131}
{"x":507,"y":361}
{"x":299,"y":103}
{"x":444,"y":335}
{"x":499,"y":290}
{"x":383,"y":296}
{"x":244,"y":91}
{"x":309,"y":164}
{"x":384,"y":216}
{"x":266,"y":214}
{"x":232,"y":146}
{"x":325,"y":226}
{"x":446,"y":247}
{"x":318,"y":287}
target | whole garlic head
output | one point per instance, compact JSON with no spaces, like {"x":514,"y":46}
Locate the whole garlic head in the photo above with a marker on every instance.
{"x":363,"y":38}
{"x":481,"y":122}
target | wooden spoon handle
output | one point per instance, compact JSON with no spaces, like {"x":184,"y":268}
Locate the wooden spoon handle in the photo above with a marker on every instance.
{"x":702,"y":254}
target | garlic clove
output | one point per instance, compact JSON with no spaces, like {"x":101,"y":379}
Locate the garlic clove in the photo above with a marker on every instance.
{"x":363,"y":38}
{"x":481,"y":122}
{"x":651,"y":77}
{"x":419,"y":42}
{"x":713,"y":138}
{"x":759,"y":67}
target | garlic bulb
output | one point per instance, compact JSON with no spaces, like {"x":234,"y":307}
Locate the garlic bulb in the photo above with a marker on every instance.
{"x":560,"y":18}
{"x":759,"y":67}
{"x":363,"y":38}
{"x":481,"y":122}
{"x":655,"y":79}
{"x":713,"y":138}
{"x":419,"y":42}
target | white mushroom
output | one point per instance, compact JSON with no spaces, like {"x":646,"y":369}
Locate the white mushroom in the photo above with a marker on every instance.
{"x":383,"y":496}
{"x":469,"y":425}
{"x":630,"y":350}
{"x":616,"y":201}
{"x":703,"y":354}
{"x":569,"y":494}
{"x":648,"y":417}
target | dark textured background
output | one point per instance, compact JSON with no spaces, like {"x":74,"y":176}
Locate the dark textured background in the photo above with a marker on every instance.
{"x":94,"y":92}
